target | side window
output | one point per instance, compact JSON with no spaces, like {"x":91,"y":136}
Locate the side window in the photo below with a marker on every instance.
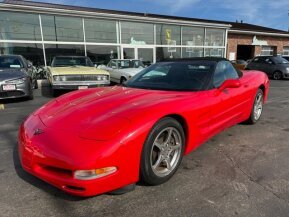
{"x":219,"y":75}
{"x":256,"y":60}
{"x":268,"y":60}
{"x":224,"y":70}
{"x":112,"y":64}
{"x":230,"y":71}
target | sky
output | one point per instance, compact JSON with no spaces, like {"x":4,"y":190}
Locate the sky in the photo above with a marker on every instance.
{"x":269,"y":13}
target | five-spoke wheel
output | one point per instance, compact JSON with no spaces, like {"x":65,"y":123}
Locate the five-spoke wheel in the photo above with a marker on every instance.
{"x":162,"y":151}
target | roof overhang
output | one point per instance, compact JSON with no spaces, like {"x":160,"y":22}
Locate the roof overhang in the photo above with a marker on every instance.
{"x":257,"y":33}
{"x":90,"y":14}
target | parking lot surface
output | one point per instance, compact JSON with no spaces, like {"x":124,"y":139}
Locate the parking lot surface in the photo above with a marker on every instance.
{"x":240,"y":172}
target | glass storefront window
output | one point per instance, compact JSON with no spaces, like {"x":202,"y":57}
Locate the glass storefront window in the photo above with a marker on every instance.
{"x":215,"y":37}
{"x":32,"y":52}
{"x":193,"y":36}
{"x":167,"y":53}
{"x":214,"y":52}
{"x":188,"y":52}
{"x":52,"y":50}
{"x":137,"y":33}
{"x":19,"y":26}
{"x":102,"y":54}
{"x":100,"y":31}
{"x":168,"y":34}
{"x":58,"y":28}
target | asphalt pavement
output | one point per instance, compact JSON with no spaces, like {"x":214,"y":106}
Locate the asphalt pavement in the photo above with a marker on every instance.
{"x":241,"y":172}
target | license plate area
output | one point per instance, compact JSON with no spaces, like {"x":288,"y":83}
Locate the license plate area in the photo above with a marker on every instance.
{"x":7,"y":87}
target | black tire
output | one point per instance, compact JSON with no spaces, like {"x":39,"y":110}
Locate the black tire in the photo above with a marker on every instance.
{"x":277,"y":75}
{"x":35,"y":84}
{"x":55,"y":93}
{"x":148,"y":172}
{"x":31,"y":96}
{"x":253,"y":119}
{"x":122,"y":80}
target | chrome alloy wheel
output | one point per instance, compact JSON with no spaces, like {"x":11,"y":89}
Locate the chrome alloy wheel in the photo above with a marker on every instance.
{"x":258,"y":106}
{"x":166,"y":151}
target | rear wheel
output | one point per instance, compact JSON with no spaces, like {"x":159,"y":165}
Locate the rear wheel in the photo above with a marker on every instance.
{"x":277,"y":75}
{"x":162,"y":152}
{"x":257,"y":108}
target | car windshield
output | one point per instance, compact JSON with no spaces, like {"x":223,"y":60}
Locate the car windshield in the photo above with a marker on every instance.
{"x":124,"y":64}
{"x":10,"y":62}
{"x":71,"y":61}
{"x":179,"y":76}
{"x":279,"y":60}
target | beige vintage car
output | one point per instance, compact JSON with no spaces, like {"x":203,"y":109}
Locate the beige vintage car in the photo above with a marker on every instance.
{"x":75,"y":72}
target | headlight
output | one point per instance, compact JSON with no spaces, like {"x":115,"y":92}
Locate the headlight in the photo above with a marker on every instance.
{"x":16,"y":81}
{"x":56,"y":78}
{"x":102,"y":78}
{"x":94,"y":174}
{"x":287,"y":69}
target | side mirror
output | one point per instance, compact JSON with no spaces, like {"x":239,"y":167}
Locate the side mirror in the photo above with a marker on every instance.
{"x":95,"y":65}
{"x":230,"y":83}
{"x":29,"y":65}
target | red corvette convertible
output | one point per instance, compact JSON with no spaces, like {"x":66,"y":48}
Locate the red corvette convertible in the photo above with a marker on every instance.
{"x":98,"y":140}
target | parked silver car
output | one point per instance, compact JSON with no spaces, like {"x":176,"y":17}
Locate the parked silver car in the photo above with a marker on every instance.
{"x":275,"y":67}
{"x":17,"y":77}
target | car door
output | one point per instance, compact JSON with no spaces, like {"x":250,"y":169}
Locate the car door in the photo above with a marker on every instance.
{"x":268,"y":66}
{"x":231,"y":101}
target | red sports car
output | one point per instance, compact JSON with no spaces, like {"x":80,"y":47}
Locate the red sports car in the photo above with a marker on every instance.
{"x":98,"y":140}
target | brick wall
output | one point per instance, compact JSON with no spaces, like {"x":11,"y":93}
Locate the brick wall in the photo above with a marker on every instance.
{"x":238,"y":39}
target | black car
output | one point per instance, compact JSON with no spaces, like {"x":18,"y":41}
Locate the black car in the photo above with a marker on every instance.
{"x":17,"y":77}
{"x":275,"y":67}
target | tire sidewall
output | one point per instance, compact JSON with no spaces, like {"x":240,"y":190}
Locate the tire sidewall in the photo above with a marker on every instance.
{"x":252,"y":117}
{"x":146,"y":172}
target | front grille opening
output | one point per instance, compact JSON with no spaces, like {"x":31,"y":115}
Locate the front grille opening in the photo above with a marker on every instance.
{"x":11,"y":93}
{"x":57,"y":170}
{"x":74,"y":188}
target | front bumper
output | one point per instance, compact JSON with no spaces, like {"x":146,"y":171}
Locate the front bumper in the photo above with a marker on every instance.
{"x":53,"y":157}
{"x":22,"y":90}
{"x":78,"y":85}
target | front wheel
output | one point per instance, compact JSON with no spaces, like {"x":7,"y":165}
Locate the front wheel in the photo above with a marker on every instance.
{"x":257,"y":108}
{"x":122,"y":80}
{"x":277,"y":75}
{"x":162,"y":152}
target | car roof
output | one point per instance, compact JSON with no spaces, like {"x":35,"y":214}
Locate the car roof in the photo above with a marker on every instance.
{"x":216,"y":59}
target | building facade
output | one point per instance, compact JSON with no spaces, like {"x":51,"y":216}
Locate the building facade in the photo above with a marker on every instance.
{"x":246,"y":41}
{"x":40,"y":31}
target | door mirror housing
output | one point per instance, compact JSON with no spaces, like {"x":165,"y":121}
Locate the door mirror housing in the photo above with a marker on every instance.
{"x":230,"y":83}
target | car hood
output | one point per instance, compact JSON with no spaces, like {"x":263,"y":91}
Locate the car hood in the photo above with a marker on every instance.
{"x":7,"y":74}
{"x":80,"y":109}
{"x":131,"y":71}
{"x":76,"y":70}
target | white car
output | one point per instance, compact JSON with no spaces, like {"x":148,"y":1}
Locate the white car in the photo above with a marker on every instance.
{"x":122,"y":70}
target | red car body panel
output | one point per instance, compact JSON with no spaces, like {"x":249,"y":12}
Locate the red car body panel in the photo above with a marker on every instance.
{"x":103,"y":127}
